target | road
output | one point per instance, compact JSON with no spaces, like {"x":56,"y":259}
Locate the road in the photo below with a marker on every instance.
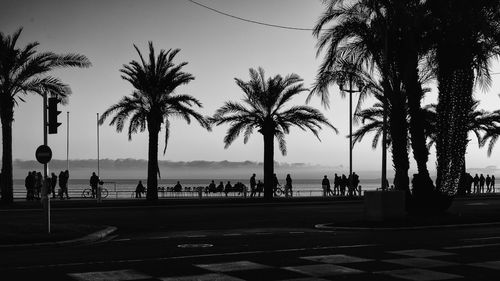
{"x":259,"y":242}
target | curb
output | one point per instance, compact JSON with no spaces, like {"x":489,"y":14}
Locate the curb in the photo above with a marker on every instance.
{"x":93,"y":237}
{"x":325,"y":226}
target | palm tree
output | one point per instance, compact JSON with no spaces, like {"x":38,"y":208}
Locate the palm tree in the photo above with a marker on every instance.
{"x":364,"y":33}
{"x":479,"y":122}
{"x":153,"y":102}
{"x":372,"y":121}
{"x":263,"y":108}
{"x":492,"y":132}
{"x":467,"y":37}
{"x":23,"y":71}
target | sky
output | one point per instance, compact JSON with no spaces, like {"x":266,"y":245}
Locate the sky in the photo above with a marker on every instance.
{"x":217,"y":49}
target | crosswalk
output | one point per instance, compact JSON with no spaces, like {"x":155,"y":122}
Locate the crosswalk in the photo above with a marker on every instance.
{"x":410,"y":264}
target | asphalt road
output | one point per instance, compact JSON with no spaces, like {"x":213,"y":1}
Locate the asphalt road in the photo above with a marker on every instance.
{"x":153,"y":243}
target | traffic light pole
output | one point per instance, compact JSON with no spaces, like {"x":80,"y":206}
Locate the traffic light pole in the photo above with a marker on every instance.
{"x":45,"y":189}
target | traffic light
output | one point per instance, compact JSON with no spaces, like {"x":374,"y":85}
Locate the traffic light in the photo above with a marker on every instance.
{"x":53,"y":112}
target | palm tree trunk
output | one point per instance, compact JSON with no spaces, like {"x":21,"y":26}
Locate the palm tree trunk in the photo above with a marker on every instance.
{"x":399,"y":135}
{"x":152,"y":188}
{"x":268,"y":163}
{"x":454,"y":105}
{"x":7,"y":115}
{"x":413,"y":89}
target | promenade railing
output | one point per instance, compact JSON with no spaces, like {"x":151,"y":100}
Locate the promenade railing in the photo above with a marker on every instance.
{"x":114,"y":192}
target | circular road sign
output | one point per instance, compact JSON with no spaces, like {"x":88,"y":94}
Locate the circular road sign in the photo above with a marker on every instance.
{"x":43,"y":154}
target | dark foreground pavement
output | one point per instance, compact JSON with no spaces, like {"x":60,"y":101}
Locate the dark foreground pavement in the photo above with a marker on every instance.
{"x":276,"y":241}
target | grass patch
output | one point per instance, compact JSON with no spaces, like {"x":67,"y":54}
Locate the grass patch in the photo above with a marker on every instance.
{"x":21,"y":233}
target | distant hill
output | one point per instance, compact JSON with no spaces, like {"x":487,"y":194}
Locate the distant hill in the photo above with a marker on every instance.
{"x":200,"y":169}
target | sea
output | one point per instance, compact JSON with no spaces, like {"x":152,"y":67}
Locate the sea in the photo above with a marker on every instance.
{"x":124,"y":188}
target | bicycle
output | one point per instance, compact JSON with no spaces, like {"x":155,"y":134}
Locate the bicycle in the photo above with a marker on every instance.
{"x":278,"y":191}
{"x":87,"y":192}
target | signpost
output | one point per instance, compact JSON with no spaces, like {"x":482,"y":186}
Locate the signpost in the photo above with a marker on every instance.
{"x":43,"y":154}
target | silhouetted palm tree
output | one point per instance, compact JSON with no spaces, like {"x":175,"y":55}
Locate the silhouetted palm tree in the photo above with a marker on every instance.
{"x":23,"y":71}
{"x":263,"y":108}
{"x":364,"y":33}
{"x":372,"y":121}
{"x":492,"y":132}
{"x":153,"y":103}
{"x":467,"y":38}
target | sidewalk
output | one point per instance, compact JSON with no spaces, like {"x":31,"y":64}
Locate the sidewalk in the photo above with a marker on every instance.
{"x":204,"y":201}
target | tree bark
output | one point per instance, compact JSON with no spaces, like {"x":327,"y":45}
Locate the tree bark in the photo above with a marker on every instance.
{"x":454,"y":105}
{"x":7,"y":188}
{"x":268,"y":163}
{"x":413,"y":90}
{"x":152,"y":182}
{"x":399,"y":135}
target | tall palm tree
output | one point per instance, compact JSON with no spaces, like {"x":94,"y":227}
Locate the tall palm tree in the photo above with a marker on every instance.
{"x":467,"y":38}
{"x":364,"y":33}
{"x":24,"y":71}
{"x":153,"y":102}
{"x":263,"y":108}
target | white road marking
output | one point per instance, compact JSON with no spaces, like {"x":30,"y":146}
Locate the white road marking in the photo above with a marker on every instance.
{"x":481,"y":238}
{"x":472,"y":246}
{"x":189,"y":257}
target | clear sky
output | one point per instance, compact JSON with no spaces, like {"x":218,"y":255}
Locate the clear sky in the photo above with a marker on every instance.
{"x":217,"y":48}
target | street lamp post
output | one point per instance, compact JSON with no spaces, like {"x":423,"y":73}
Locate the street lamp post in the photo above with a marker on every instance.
{"x":350,"y":91}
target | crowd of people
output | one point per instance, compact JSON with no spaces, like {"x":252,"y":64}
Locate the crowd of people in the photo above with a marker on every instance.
{"x":341,"y":187}
{"x":479,"y":184}
{"x":34,"y":184}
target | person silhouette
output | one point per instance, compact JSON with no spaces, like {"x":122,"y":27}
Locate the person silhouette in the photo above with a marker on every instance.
{"x":253,"y":185}
{"x":178,"y":187}
{"x":53,"y":183}
{"x":288,"y":186}
{"x":228,"y":188}
{"x":481,"y":183}
{"x":94,"y":181}
{"x":325,"y":184}
{"x":220,"y":187}
{"x":488,"y":182}
{"x":139,"y":190}
{"x":212,"y":187}
{"x":343,"y":185}
{"x":476,"y":184}
{"x":492,"y":184}
{"x":336,"y":185}
{"x":260,"y":187}
{"x":276,"y":183}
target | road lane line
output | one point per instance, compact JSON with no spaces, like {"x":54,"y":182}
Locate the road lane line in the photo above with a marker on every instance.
{"x":471,"y":246}
{"x":481,"y":238}
{"x":186,"y":257}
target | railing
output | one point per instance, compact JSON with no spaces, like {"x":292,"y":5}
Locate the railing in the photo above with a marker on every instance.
{"x":167,"y":192}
